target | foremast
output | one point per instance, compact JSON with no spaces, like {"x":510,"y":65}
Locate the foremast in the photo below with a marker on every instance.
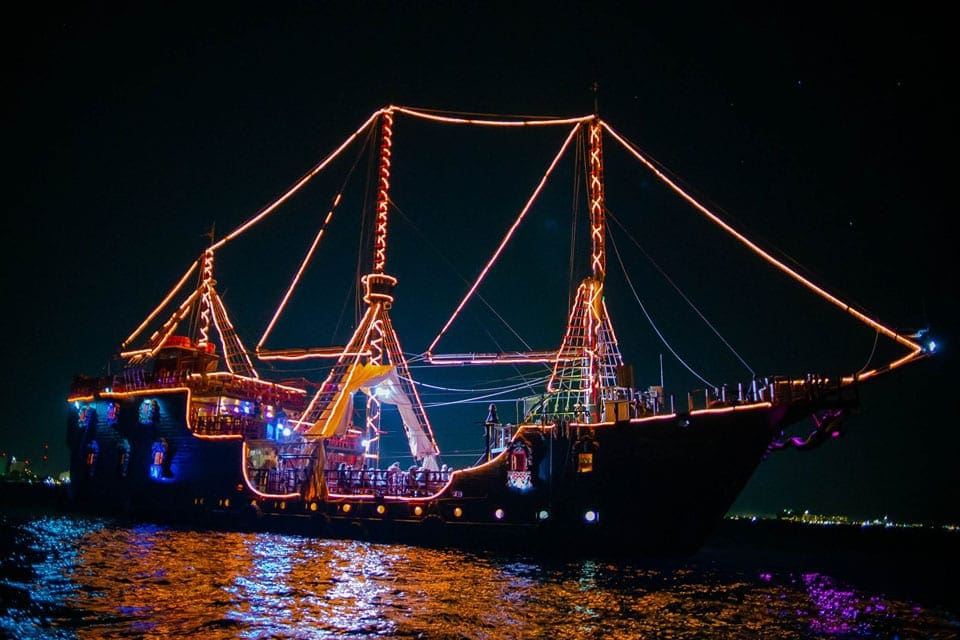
{"x":585,"y":369}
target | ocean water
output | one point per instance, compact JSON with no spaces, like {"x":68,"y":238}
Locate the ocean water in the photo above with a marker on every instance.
{"x":69,"y":576}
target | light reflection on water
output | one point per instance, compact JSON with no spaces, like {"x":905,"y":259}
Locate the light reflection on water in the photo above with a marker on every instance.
{"x":72,"y":577}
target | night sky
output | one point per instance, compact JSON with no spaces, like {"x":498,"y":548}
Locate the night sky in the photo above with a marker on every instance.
{"x":133,"y":128}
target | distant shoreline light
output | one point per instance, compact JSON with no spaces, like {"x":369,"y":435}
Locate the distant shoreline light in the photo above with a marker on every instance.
{"x":807,"y":518}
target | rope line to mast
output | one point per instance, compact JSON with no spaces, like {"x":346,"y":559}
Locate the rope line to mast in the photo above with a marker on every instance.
{"x":916,"y":350}
{"x":653,"y":325}
{"x":677,"y":289}
{"x":507,"y":237}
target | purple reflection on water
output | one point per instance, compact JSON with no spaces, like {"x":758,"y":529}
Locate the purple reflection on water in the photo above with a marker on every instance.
{"x":837,"y":610}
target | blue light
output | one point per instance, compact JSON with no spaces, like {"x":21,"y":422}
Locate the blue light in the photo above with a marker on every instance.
{"x":931,"y":346}
{"x":590,"y":516}
{"x":286,"y":432}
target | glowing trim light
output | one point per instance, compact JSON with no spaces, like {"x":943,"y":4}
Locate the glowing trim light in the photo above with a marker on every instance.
{"x":492,"y":123}
{"x":250,"y":485}
{"x":205,"y":301}
{"x":159,"y":338}
{"x":297,"y":186}
{"x":259,"y":381}
{"x":160,"y":307}
{"x":916,"y":350}
{"x":296,"y":278}
{"x":383,"y":198}
{"x":512,"y":357}
{"x":221,"y":320}
{"x":506,"y":239}
{"x":307,"y":353}
{"x":598,"y":257}
{"x":363,"y":329}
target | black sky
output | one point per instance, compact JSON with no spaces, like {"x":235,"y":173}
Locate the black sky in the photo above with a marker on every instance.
{"x":132,"y":127}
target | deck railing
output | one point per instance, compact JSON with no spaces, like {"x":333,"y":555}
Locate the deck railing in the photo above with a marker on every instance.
{"x":385,"y":482}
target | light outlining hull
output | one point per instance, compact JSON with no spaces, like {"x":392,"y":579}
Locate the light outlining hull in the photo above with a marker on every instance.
{"x":644,"y":486}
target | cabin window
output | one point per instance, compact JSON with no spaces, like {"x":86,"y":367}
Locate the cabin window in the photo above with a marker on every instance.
{"x":149,"y":412}
{"x":584,"y":462}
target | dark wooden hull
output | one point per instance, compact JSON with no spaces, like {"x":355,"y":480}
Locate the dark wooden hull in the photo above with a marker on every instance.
{"x":652,"y":486}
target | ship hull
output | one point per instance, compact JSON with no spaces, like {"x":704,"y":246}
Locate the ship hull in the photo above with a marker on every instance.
{"x":651,"y":486}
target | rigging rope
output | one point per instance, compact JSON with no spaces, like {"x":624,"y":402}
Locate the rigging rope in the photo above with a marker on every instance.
{"x":443,"y":257}
{"x":510,"y":387}
{"x":678,"y":290}
{"x":423,"y":114}
{"x":876,"y":338}
{"x":916,"y":350}
{"x":263,"y":213}
{"x":428,"y":242}
{"x":309,"y":254}
{"x":656,"y":330}
{"x":506,"y":239}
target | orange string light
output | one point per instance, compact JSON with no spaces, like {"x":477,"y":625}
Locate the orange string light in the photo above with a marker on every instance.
{"x":506,"y":239}
{"x":916,"y":350}
{"x":296,"y":278}
{"x":383,"y":193}
{"x":160,"y":306}
{"x":490,"y":123}
{"x":297,"y":186}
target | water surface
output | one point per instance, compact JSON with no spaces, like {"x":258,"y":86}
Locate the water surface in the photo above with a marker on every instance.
{"x":66,"y":576}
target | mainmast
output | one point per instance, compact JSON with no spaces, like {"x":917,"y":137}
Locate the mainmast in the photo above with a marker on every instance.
{"x":373,"y":356}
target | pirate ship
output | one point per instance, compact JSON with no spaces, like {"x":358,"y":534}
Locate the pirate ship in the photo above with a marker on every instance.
{"x":188,"y":429}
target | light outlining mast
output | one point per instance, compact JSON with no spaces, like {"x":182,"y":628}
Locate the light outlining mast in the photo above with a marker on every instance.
{"x":211,"y":314}
{"x":582,"y":368}
{"x":374,"y":346}
{"x":588,"y":359}
{"x":916,"y":350}
{"x":585,"y":369}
